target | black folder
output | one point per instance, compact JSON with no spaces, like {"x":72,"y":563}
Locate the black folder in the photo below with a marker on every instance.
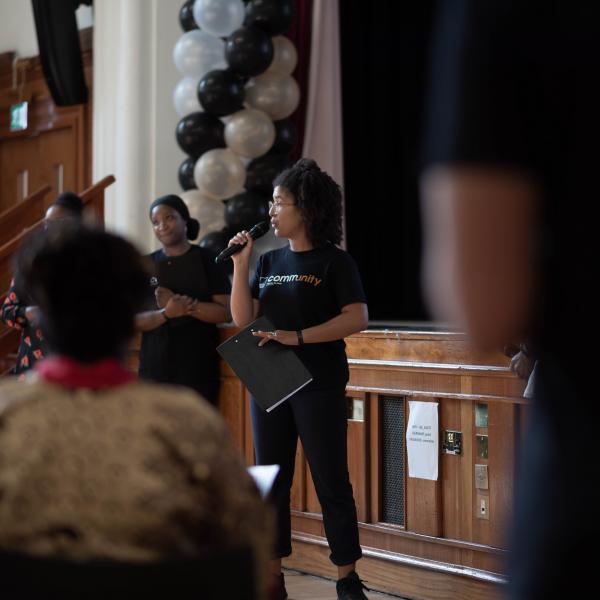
{"x":272,"y":373}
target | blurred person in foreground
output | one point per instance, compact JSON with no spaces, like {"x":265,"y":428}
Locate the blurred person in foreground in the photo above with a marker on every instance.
{"x":98,"y":465}
{"x":510,"y":163}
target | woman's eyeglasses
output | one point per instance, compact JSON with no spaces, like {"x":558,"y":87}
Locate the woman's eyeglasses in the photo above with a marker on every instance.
{"x":276,"y":206}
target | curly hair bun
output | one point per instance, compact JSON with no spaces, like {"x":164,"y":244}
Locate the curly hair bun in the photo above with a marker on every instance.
{"x":307,"y":164}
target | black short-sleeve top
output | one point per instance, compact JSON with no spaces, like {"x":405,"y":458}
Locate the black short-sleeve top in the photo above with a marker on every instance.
{"x":183,"y":349}
{"x":298,"y":290}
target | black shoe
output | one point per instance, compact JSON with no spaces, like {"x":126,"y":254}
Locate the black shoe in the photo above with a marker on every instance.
{"x":280,"y":591}
{"x":350,"y":588}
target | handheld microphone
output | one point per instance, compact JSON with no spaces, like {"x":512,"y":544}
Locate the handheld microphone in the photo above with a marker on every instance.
{"x":257,"y":231}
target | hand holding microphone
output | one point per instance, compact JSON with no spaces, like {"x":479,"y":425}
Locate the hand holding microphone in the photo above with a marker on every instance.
{"x":242,"y":241}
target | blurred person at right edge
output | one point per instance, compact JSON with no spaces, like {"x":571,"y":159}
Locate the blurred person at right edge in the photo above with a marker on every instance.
{"x":510,"y":161}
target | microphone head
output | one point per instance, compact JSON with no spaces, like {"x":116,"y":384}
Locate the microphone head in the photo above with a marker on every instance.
{"x":259,"y":230}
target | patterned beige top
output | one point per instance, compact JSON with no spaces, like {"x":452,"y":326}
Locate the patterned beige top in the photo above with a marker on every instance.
{"x":135,"y":472}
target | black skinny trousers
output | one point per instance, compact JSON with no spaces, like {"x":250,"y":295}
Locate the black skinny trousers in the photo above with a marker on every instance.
{"x":320,"y":419}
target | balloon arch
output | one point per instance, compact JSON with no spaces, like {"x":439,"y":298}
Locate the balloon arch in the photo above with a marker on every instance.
{"x":234,"y":100}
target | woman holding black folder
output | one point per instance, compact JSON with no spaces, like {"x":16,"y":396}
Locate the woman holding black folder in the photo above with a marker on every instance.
{"x":311,"y":291}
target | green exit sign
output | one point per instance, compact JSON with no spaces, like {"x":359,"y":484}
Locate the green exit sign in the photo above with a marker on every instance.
{"x":18,"y":116}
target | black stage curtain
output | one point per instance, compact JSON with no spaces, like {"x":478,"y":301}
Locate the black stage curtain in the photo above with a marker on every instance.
{"x":384,"y":53}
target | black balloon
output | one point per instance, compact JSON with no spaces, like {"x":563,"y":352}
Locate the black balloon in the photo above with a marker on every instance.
{"x":249,"y":51}
{"x":262,"y":170}
{"x":199,"y":132}
{"x":186,"y":174}
{"x":286,"y":136}
{"x":272,"y":16}
{"x":217,"y":241}
{"x":245,"y":210}
{"x":221,"y":92}
{"x":186,"y":16}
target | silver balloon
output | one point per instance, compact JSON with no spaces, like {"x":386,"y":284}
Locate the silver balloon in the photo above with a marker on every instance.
{"x":273,"y":92}
{"x":219,"y":17}
{"x":198,"y":52}
{"x":219,"y":174}
{"x":185,"y":97}
{"x":285,"y":57}
{"x":209,"y":212}
{"x":250,"y":133}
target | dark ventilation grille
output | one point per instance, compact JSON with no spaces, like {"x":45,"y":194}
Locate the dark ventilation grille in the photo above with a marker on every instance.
{"x":392,"y":463}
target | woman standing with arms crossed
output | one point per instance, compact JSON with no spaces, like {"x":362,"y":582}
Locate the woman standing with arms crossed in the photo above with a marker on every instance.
{"x":313,"y":312}
{"x":191,"y":294}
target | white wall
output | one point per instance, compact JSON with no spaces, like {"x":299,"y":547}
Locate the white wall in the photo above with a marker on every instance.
{"x":134,"y":118}
{"x":17,"y":28}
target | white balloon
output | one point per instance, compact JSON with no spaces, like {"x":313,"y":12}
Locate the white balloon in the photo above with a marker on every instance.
{"x":209,"y":212}
{"x":198,"y":52}
{"x":273,"y":92}
{"x":219,"y":173}
{"x":219,"y":17}
{"x":185,"y":97}
{"x":250,"y":132}
{"x":285,"y":57}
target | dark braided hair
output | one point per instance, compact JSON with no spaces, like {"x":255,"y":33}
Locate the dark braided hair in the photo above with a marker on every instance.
{"x":318,"y":197}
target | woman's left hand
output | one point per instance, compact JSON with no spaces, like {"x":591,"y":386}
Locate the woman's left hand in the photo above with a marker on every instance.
{"x":287,"y":338}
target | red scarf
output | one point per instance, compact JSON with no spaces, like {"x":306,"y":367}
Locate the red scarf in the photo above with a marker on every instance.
{"x":69,"y":373}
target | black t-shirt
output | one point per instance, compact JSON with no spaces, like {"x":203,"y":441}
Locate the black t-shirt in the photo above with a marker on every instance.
{"x":298,"y":290}
{"x":183,"y":349}
{"x":514,"y":85}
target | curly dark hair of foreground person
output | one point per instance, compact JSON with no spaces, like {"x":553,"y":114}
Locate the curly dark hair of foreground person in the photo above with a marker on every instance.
{"x":89,"y":285}
{"x":318,"y":197}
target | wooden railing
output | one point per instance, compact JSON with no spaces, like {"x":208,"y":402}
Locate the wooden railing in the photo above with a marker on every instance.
{"x":93,"y":200}
{"x":23,"y":215}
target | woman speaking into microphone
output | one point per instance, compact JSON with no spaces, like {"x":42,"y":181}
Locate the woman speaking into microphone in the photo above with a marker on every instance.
{"x":311,"y":291}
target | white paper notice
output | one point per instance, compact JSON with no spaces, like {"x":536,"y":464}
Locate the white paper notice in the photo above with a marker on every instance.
{"x":422,"y":440}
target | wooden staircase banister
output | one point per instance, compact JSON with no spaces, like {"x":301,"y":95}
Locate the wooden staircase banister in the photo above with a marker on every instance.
{"x":23,"y":214}
{"x":91,"y":195}
{"x":97,"y":188}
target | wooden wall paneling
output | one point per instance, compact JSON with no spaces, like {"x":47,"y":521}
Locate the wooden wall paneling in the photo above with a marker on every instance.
{"x":231,"y":396}
{"x":18,"y":159}
{"x":55,"y":135}
{"x":312,"y":500}
{"x":449,"y":348}
{"x":357,"y":466}
{"x":402,"y":377}
{"x":501,"y":382}
{"x":20,"y":216}
{"x":502,"y":439}
{"x":461,"y":553}
{"x":385,"y":572}
{"x":298,"y":493}
{"x":374,"y":457}
{"x":358,"y":450}
{"x":451,"y":467}
{"x":423,"y":501}
{"x":467,"y":488}
{"x":59,"y":158}
{"x":244,"y":408}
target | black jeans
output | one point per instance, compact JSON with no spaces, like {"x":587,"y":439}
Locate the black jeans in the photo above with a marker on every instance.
{"x":320,"y":419}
